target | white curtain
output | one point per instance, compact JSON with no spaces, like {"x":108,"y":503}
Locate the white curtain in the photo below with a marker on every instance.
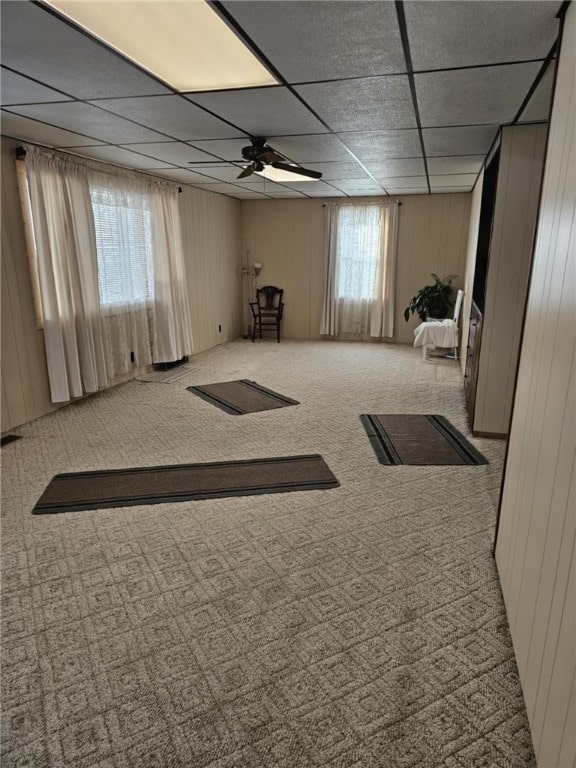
{"x":360,"y":269}
{"x":111,"y":272}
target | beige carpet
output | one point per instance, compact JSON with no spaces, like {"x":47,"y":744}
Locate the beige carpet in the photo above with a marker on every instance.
{"x":357,"y":627}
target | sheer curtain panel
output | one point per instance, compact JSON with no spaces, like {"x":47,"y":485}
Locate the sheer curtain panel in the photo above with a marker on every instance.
{"x":111,"y":271}
{"x":360,"y":269}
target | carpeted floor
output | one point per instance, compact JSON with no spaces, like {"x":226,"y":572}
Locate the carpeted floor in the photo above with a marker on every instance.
{"x":357,"y":627}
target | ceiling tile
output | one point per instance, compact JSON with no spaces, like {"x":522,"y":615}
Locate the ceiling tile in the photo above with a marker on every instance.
{"x":225,"y":149}
{"x":363,"y":104}
{"x":122,"y":157}
{"x":460,"y":34}
{"x":36,"y":43}
{"x":474,"y":140}
{"x":92,"y":122}
{"x":261,"y":111}
{"x":409,"y":182}
{"x":16,"y":89}
{"x":284,"y":193}
{"x":172,"y":115}
{"x":473,"y":96}
{"x":454,"y":180}
{"x":221,"y":172}
{"x":232,"y":190}
{"x":399,"y":192}
{"x":174,"y":152}
{"x":312,"y":187}
{"x":310,"y":149}
{"x":339,"y":170}
{"x":450,"y":190}
{"x":390,"y":168}
{"x":538,"y":108}
{"x":30,"y":130}
{"x":352,"y":185}
{"x":319,"y":40}
{"x":462,"y":164}
{"x":379,"y":145}
{"x":188,"y":177}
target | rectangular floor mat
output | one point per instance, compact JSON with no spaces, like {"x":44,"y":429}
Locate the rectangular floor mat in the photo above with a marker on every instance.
{"x":418,"y":439}
{"x":241,"y":396}
{"x":75,"y":491}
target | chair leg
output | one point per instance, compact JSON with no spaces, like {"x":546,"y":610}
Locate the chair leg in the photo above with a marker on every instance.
{"x":278,"y":333}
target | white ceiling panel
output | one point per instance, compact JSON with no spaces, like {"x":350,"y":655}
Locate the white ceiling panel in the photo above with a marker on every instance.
{"x":312,"y":188}
{"x":394,"y":191}
{"x":339,"y":170}
{"x":310,"y":149}
{"x":37,"y":44}
{"x":39,"y":133}
{"x":409,"y":182}
{"x":188,"y":177}
{"x":222,"y":172}
{"x":459,"y":34}
{"x":451,"y":190}
{"x":123,"y":157}
{"x":174,"y":152}
{"x":233,"y":191}
{"x":90,"y":121}
{"x":16,"y":89}
{"x":324,"y":40}
{"x":390,"y":168}
{"x":172,"y":115}
{"x":284,"y":192}
{"x":463,"y":164}
{"x":538,"y":108}
{"x":358,"y":187}
{"x":383,"y":144}
{"x":225,"y":149}
{"x":261,"y":111}
{"x":474,"y":140}
{"x":455,"y":180}
{"x":473,"y":96}
{"x":365,"y":104}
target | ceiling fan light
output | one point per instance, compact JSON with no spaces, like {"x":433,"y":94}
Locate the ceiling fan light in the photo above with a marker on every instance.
{"x":283,"y":174}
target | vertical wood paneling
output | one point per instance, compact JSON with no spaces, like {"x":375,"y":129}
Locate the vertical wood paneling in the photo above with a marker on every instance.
{"x":26,"y":393}
{"x":537,"y":532}
{"x":517,"y":196}
{"x":287,"y":236}
{"x":211,"y":237}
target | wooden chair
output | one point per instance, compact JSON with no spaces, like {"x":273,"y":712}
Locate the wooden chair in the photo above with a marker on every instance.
{"x":267,"y":311}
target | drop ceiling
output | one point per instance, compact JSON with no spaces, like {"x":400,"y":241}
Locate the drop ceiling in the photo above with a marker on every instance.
{"x":381,"y":97}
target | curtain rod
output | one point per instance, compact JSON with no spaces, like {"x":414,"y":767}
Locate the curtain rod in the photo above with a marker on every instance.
{"x":376,"y":202}
{"x":21,"y":154}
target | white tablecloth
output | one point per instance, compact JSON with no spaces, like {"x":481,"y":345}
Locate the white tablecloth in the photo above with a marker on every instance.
{"x":440,"y":333}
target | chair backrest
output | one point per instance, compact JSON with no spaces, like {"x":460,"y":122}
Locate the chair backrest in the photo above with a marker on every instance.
{"x":269,"y":297}
{"x":458,"y":305}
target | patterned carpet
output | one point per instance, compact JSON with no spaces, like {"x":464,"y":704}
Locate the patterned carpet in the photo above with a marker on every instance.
{"x":357,"y":627}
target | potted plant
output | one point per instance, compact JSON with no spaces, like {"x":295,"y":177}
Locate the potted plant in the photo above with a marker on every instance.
{"x":432,"y":301}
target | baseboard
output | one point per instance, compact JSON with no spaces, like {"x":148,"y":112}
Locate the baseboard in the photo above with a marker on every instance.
{"x":491,"y":435}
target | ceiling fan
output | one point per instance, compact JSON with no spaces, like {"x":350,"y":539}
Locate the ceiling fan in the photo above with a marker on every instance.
{"x":258,"y":155}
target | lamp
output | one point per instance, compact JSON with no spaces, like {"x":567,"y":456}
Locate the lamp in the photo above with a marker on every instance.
{"x":257,"y":267}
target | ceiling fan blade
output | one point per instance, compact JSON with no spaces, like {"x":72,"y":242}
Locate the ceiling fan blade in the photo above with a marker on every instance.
{"x":248,"y":171}
{"x":298,"y":170}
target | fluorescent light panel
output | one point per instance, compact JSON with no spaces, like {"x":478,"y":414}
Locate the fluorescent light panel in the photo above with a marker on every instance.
{"x":183,"y":42}
{"x":278,"y":174}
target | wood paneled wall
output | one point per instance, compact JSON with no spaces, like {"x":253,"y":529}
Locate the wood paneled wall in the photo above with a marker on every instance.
{"x":537,"y":533}
{"x":517,"y":195}
{"x":287,"y":236}
{"x":211,"y":235}
{"x":25,"y":388}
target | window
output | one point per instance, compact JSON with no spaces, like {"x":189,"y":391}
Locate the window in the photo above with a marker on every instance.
{"x":358,"y":251}
{"x":123,"y":229}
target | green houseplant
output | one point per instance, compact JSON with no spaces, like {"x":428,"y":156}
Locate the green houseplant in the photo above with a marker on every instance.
{"x":432,"y":301}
